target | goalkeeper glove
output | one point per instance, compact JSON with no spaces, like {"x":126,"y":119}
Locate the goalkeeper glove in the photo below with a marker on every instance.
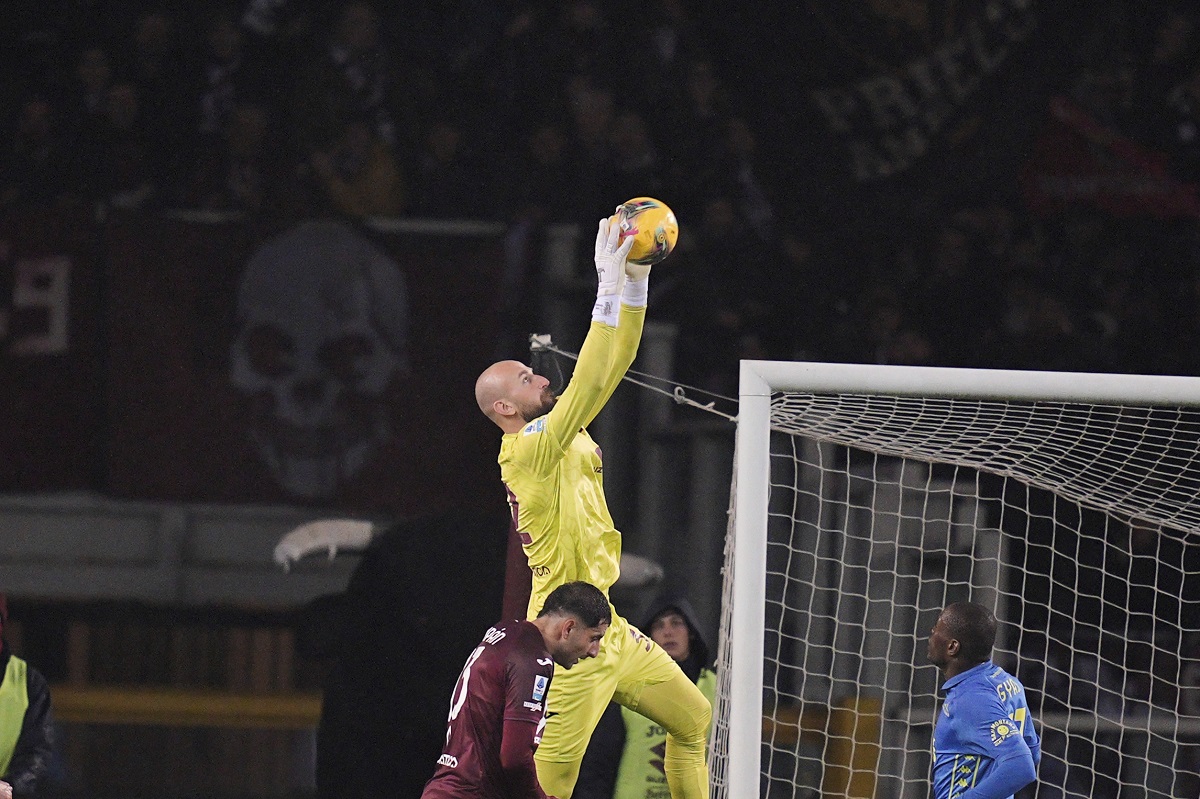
{"x":636,"y":272}
{"x":632,"y":271}
{"x":610,"y":270}
{"x":636,"y":288}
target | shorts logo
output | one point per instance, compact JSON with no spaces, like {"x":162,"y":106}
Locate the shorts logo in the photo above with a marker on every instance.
{"x":1002,"y":730}
{"x":539,"y":687}
{"x":536,"y":426}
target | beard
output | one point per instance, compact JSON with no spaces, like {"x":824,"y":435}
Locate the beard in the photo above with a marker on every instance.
{"x":540,"y":408}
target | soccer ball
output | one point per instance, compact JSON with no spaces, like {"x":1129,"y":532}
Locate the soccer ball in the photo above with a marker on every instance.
{"x":653,"y":227}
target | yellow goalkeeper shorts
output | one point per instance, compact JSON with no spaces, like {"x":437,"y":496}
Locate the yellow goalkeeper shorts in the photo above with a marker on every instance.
{"x":628,"y":662}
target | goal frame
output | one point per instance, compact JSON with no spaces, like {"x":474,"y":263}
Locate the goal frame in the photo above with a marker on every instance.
{"x":758,"y":382}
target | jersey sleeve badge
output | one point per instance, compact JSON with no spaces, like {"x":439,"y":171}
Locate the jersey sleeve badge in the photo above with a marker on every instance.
{"x":1002,"y":730}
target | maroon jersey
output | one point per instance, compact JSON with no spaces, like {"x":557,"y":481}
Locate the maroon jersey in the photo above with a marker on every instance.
{"x":500,"y":692}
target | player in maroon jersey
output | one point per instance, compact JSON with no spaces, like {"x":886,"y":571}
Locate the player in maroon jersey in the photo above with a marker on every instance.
{"x":497,"y":709}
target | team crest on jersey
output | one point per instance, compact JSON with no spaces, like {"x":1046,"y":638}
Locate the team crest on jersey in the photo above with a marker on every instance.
{"x":1002,"y":730}
{"x":539,"y":687}
{"x":536,"y":426}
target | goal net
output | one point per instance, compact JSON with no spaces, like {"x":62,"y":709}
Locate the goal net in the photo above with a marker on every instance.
{"x":867,"y":498}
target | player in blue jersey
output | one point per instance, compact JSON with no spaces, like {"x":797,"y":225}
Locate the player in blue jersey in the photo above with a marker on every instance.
{"x":984,"y":742}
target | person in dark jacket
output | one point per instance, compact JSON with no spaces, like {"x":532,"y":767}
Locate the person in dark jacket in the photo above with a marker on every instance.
{"x":26,"y":725}
{"x":624,"y":759}
{"x":425,"y":590}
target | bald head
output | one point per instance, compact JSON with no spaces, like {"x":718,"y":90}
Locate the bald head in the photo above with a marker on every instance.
{"x":510,"y":394}
{"x":492,"y":385}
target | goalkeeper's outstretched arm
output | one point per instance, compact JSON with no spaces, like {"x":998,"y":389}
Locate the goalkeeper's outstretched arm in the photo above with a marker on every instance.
{"x":512,"y":395}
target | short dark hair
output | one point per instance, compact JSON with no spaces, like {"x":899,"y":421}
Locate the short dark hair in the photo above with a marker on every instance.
{"x":974,"y":627}
{"x":582,"y":600}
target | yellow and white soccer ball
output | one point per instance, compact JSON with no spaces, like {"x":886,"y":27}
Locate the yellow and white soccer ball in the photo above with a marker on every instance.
{"x":653,"y":227}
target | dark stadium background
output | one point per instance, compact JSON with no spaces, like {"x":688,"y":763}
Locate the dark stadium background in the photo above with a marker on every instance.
{"x":991,"y":183}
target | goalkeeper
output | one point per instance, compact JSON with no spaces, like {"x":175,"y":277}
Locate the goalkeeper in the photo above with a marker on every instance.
{"x":552,"y":470}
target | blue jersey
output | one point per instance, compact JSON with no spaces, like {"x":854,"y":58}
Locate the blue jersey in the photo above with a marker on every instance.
{"x":984,"y":723}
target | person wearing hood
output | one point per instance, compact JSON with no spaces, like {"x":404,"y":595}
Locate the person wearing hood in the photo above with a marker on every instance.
{"x":26,"y":726}
{"x":624,"y":759}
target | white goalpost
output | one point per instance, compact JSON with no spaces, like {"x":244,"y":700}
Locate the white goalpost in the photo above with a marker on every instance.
{"x":866,"y":498}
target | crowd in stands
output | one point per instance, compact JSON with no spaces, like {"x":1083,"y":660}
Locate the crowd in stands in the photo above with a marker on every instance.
{"x":530,"y":112}
{"x":551,"y":112}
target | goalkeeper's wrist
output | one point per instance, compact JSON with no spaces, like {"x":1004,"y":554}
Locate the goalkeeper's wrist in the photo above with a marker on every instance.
{"x":606,"y":309}
{"x":636,"y":293}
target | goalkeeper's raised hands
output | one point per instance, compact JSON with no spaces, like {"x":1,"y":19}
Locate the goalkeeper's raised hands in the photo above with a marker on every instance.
{"x":636,"y":287}
{"x":611,"y":253}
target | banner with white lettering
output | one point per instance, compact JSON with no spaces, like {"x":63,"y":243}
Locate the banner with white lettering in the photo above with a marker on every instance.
{"x":921,"y":72}
{"x":326,"y":363}
{"x":50,"y":397}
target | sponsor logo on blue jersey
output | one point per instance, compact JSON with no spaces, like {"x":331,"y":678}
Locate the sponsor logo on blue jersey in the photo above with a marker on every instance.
{"x":539,"y":686}
{"x":1002,"y":730}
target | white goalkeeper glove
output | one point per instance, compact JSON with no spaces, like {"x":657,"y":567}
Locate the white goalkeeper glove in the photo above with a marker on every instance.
{"x":637,"y":286}
{"x":329,"y":535}
{"x":636,"y":272}
{"x":610,"y":270}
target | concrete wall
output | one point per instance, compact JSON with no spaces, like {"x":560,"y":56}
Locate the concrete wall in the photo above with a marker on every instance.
{"x":80,"y":546}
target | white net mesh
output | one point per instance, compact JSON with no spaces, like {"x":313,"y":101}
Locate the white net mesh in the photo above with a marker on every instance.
{"x":1078,"y":524}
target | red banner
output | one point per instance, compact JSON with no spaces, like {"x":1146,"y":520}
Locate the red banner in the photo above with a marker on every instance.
{"x":325,"y":364}
{"x":1078,"y":160}
{"x":50,"y":396}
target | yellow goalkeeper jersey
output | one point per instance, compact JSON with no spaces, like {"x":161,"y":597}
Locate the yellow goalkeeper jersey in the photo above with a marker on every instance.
{"x":554,"y":472}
